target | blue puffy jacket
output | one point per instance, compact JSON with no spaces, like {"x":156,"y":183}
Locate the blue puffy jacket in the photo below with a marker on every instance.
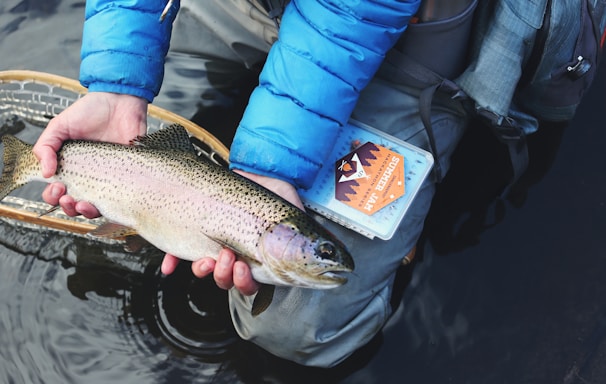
{"x":326,"y":53}
{"x":124,"y":45}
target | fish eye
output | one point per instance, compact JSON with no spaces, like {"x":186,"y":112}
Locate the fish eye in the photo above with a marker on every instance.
{"x":326,"y":250}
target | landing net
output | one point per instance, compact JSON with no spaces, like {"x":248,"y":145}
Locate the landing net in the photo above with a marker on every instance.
{"x":37,"y":97}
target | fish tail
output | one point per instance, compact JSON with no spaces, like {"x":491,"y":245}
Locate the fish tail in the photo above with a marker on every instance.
{"x":20,"y":165}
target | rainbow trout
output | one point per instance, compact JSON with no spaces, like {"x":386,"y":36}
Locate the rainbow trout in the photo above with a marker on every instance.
{"x":188,"y":207}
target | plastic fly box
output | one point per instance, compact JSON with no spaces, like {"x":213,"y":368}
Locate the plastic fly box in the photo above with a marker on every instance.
{"x":370,"y":181}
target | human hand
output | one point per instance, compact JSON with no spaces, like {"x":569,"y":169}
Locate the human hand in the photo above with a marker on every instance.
{"x":99,"y":116}
{"x":227,"y":270}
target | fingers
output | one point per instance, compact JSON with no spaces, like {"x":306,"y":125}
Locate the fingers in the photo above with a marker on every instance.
{"x":203,"y":267}
{"x":68,"y":204}
{"x":243,"y":280}
{"x":47,"y":157}
{"x":46,"y":147}
{"x":232,"y":273}
{"x":169,"y":264}
{"x":228,"y":272}
{"x":87,"y":209}
{"x":53,"y":192}
{"x":224,"y":269}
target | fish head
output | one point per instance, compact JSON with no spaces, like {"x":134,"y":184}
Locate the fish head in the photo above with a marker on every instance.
{"x":302,"y":253}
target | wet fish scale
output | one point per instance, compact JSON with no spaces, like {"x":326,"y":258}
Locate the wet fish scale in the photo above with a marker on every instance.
{"x":191,"y":208}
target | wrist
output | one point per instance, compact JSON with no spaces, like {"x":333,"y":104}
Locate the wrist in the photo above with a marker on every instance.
{"x":130,"y":110}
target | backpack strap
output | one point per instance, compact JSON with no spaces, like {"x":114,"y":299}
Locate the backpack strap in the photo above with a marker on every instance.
{"x":402,"y":69}
{"x":511,"y":134}
{"x":538,"y":48}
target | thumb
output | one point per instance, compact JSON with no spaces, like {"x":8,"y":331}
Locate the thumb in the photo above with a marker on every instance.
{"x":46,"y":148}
{"x":47,"y":156}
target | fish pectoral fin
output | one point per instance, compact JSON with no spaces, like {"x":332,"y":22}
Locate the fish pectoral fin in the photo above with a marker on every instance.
{"x":113,"y":231}
{"x":248,"y":260}
{"x":263,"y":299}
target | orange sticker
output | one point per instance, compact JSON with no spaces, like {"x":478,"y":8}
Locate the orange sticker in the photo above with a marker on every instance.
{"x":369,"y":178}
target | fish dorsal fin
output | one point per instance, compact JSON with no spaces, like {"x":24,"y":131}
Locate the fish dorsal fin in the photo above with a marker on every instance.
{"x":113,"y":231}
{"x":173,"y":137}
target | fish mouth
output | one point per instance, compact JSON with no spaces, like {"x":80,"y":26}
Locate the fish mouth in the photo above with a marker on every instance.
{"x":332,"y":278}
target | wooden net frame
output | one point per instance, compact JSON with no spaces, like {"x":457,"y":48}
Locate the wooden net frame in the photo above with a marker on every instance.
{"x":37,"y":97}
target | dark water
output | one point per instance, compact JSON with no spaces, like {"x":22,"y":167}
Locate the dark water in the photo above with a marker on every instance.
{"x":513,"y":296}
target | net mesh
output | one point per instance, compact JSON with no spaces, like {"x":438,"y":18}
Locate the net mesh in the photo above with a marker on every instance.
{"x":34,"y":102}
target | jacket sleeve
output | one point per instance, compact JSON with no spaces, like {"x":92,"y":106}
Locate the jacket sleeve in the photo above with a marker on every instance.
{"x":124,"y":44}
{"x":326,"y":53}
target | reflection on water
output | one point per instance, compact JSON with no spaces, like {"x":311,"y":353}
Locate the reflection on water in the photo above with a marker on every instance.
{"x":513,"y":297}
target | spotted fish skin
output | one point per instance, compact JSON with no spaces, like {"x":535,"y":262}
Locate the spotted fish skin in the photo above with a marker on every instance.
{"x":189,"y":207}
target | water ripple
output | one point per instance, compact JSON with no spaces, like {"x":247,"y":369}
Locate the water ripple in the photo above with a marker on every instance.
{"x":72,"y":314}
